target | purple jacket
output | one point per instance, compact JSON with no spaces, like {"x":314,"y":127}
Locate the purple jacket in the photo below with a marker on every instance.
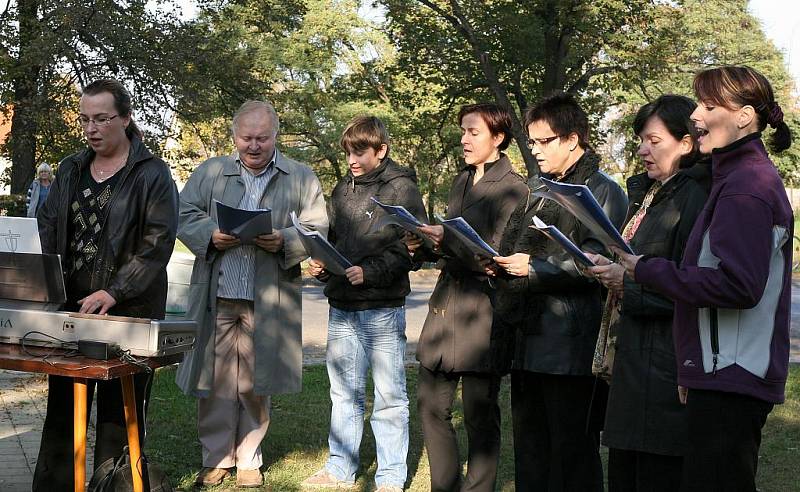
{"x":732,"y":291}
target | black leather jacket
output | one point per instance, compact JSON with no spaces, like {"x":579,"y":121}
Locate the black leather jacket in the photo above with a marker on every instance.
{"x":555,"y":310}
{"x":139,"y":233}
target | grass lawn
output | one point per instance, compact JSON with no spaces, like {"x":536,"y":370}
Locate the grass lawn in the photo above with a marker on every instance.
{"x":296,"y":444}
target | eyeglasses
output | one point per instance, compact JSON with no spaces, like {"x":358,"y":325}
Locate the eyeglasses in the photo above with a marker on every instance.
{"x":101,"y":121}
{"x":541,"y":142}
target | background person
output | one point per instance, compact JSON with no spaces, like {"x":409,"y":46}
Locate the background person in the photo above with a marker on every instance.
{"x":549,"y":313}
{"x":245,"y":298}
{"x":367,"y":319}
{"x":645,"y":426}
{"x":39,"y":188}
{"x":455,"y":340}
{"x":112,"y":216}
{"x":732,"y":289}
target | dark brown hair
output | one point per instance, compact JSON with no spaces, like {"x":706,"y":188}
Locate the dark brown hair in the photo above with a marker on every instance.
{"x":497,"y":118}
{"x":564,"y":115}
{"x":364,"y":132}
{"x":674,"y":111}
{"x":734,"y":87}
{"x":122,"y":101}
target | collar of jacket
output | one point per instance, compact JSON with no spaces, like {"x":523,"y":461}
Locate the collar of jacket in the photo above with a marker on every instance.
{"x":386,"y":171}
{"x":232,"y":168}
{"x":585,"y":166}
{"x":137,"y":153}
{"x":749,"y":148}
{"x":496,"y":171}
{"x":638,"y":184}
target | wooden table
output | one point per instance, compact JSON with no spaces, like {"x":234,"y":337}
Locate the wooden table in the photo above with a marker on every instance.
{"x":81,"y":369}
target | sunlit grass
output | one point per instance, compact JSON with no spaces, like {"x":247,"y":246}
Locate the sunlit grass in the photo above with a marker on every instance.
{"x":296,"y":444}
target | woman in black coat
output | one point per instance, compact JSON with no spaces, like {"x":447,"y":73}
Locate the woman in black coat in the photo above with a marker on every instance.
{"x":645,"y":426}
{"x":549,"y":313}
{"x":455,"y":340}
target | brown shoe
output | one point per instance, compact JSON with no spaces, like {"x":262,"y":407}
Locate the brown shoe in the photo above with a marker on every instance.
{"x":209,"y":477}
{"x":249,"y":478}
{"x":324,"y":479}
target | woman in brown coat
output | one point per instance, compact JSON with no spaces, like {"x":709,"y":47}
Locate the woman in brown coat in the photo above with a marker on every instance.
{"x":455,"y":340}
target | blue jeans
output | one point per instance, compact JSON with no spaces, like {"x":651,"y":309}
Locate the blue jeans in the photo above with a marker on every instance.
{"x":358,"y":340}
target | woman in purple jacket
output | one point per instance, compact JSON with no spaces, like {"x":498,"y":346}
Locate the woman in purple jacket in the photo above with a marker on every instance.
{"x":732,"y":288}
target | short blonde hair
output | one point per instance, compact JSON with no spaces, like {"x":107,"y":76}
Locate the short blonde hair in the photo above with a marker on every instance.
{"x":44,"y":167}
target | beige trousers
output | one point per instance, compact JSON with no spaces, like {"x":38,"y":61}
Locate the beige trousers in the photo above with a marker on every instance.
{"x":233,"y":420}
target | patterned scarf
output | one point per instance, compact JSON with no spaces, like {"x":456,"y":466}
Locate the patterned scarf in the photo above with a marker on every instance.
{"x":603,"y":361}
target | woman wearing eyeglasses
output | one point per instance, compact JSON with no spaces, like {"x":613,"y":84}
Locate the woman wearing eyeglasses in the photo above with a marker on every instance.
{"x":112,"y":215}
{"x":547,"y":314}
{"x":732,"y":289}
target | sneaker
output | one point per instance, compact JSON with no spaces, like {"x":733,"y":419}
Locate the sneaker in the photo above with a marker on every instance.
{"x":389,"y":488}
{"x":324,"y":479}
{"x":209,"y":477}
{"x":249,"y":478}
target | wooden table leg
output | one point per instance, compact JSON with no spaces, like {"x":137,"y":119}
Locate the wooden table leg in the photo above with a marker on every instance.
{"x":129,"y":399}
{"x":79,"y":433}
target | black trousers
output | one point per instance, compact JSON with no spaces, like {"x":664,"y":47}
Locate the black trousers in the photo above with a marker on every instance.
{"x":553,"y":450}
{"x":435,"y":394}
{"x":637,"y":471}
{"x":54,"y":466}
{"x":724,"y":437}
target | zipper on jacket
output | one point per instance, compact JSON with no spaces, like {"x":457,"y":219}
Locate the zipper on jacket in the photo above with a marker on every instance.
{"x":714,"y":340}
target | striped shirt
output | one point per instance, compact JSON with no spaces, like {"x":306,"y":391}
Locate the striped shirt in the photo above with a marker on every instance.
{"x":238,"y":265}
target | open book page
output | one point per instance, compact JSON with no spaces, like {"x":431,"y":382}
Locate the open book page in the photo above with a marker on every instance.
{"x":580,"y":202}
{"x":467,"y":235}
{"x":400,"y":216}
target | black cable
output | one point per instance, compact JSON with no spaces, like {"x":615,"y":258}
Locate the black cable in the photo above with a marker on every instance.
{"x":71,"y":347}
{"x":126,"y":356}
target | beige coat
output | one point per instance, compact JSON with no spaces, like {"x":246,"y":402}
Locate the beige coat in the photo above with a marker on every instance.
{"x":278,"y":306}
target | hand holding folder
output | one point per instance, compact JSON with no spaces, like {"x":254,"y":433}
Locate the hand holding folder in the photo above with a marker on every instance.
{"x":468,"y":236}
{"x":556,"y":235}
{"x":320,"y":249}
{"x":243,"y":224}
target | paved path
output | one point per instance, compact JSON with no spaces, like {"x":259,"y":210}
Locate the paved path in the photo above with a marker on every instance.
{"x":23,"y":397}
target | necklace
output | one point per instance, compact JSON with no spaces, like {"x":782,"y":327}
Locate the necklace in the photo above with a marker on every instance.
{"x":101,"y":175}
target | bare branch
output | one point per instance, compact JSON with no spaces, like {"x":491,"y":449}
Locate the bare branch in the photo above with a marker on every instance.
{"x":583,"y":80}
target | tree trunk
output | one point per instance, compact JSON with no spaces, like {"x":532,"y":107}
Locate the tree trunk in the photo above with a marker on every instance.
{"x":460,"y":22}
{"x":22,"y":139}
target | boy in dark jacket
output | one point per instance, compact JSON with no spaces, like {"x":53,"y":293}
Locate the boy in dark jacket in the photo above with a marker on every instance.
{"x":366,"y":326}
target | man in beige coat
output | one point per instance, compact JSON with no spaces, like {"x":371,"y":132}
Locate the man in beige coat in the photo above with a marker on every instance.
{"x":245,"y":298}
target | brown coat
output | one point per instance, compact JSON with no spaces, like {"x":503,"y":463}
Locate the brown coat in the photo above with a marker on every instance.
{"x":457,"y":331}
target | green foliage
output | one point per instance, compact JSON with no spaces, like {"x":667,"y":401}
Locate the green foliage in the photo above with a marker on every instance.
{"x":321,"y":63}
{"x":49,"y":49}
{"x":315,"y":60}
{"x":13,"y":205}
{"x":689,"y":36}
